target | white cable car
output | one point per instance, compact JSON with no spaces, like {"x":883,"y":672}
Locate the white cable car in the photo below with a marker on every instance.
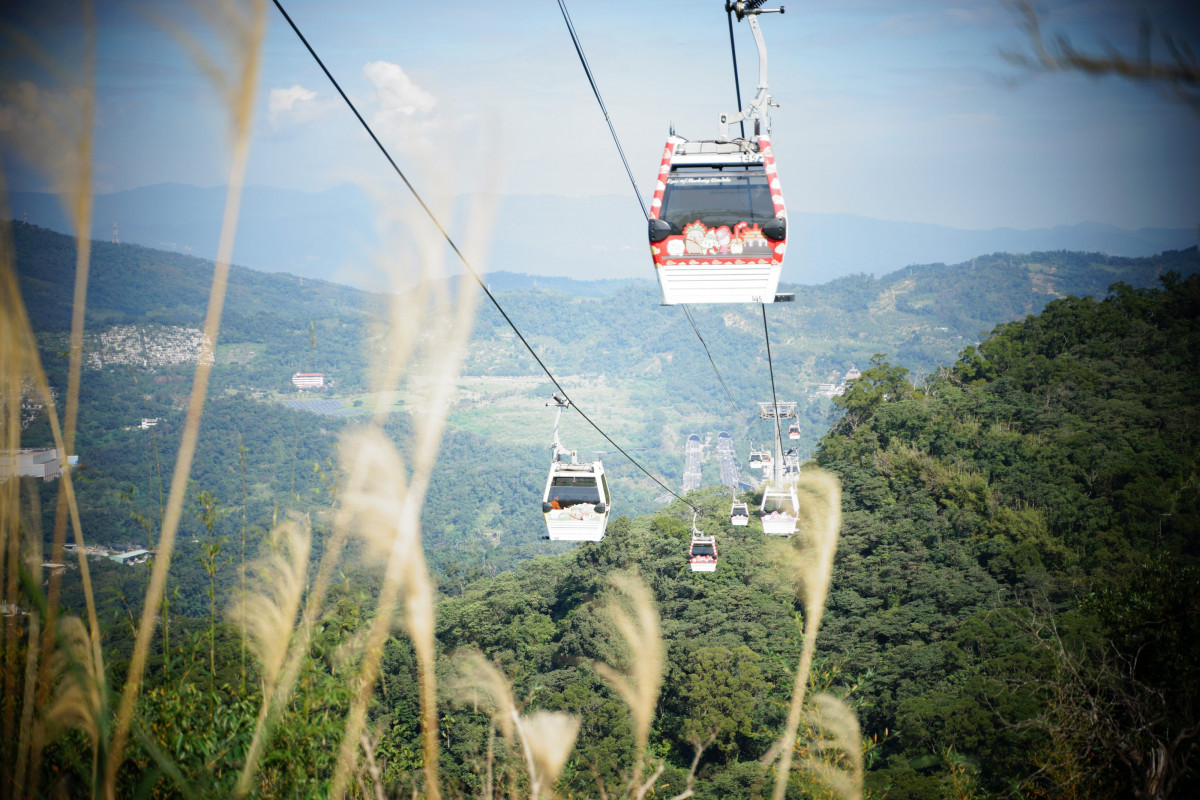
{"x":756,"y":457}
{"x":702,"y":554}
{"x":718,"y":223}
{"x":576,"y":503}
{"x":739,"y":514}
{"x":794,"y":431}
{"x":780,"y":509}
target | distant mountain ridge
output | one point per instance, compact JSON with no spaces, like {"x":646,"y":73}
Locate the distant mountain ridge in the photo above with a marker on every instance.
{"x":331,"y":235}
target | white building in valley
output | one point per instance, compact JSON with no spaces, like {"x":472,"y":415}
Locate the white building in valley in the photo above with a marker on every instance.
{"x":308,"y":380}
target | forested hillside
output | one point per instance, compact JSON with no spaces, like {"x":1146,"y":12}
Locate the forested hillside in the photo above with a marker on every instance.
{"x":635,"y":367}
{"x":1014,"y":606}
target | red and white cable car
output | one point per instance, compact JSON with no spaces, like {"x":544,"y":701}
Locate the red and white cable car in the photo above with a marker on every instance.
{"x":718,"y":223}
{"x":702,"y":554}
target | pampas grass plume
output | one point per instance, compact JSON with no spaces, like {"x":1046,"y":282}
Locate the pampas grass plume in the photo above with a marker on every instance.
{"x":549,"y":737}
{"x":273,"y":600}
{"x":635,"y":617}
{"x":836,"y":754}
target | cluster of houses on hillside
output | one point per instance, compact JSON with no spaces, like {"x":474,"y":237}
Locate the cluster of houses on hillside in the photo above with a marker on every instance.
{"x":837,"y":389}
{"x":149,"y":346}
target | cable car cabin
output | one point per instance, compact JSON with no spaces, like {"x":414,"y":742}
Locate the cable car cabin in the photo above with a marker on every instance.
{"x":767,"y":460}
{"x":702,"y":555}
{"x":739,"y":514}
{"x":756,"y":457}
{"x":780,"y":508}
{"x":576,"y":503}
{"x":794,"y":431}
{"x":718,"y":224}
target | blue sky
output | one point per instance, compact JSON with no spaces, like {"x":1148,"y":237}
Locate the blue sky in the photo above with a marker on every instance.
{"x":901,"y":111}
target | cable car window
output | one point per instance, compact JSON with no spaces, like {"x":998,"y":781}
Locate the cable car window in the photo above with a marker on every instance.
{"x":776,"y":503}
{"x":569,"y":491}
{"x":703,"y":550}
{"x":717,"y":198}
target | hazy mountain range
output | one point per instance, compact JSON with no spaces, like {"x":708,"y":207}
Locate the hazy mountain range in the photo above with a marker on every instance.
{"x":332,"y":235}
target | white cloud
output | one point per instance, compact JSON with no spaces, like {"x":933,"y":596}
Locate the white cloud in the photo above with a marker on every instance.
{"x":286,"y":99}
{"x":293,"y":105}
{"x":403,"y":107}
{"x":397,"y":92}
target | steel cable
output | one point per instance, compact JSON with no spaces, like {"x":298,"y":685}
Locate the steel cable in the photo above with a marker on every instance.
{"x":463,"y":258}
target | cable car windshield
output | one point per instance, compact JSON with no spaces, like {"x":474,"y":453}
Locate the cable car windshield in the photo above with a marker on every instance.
{"x":717,"y":198}
{"x":570,"y":490}
{"x":780,"y":503}
{"x":699,"y":549}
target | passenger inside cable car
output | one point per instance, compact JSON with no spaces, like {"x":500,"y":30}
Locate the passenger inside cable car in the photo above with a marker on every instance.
{"x":570,"y":490}
{"x":778,"y":503}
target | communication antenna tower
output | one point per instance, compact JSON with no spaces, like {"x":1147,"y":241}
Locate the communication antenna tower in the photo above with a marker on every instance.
{"x":116,"y":239}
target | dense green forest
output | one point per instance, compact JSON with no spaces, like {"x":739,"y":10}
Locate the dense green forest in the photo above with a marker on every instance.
{"x":1012,"y":609}
{"x":1014,"y":606}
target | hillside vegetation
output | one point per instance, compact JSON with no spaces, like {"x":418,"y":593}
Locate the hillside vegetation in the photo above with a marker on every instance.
{"x":1014,"y":606}
{"x":636,"y":368}
{"x":1012,"y":610}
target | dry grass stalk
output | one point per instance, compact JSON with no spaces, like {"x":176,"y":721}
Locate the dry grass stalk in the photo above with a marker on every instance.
{"x":20,"y":361}
{"x":635,"y":617}
{"x":277,"y":584}
{"x":545,"y":737}
{"x":835,"y":756}
{"x":384,"y":507}
{"x":809,"y":558}
{"x":33,"y":535}
{"x":548,"y":737}
{"x":296,"y":654}
{"x":378,"y":504}
{"x":53,"y":129}
{"x":268,"y":617}
{"x":12,"y":362}
{"x":78,"y":700}
{"x":243,"y":31}
{"x":480,"y":683}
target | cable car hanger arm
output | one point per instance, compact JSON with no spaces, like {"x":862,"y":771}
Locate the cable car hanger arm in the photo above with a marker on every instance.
{"x":756,"y":110}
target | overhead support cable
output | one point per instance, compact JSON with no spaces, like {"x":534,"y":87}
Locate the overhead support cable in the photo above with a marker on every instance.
{"x":774,"y":399}
{"x":637,"y":193}
{"x":737,"y":83}
{"x":587,"y":69}
{"x":479,"y":280}
{"x":688,"y":313}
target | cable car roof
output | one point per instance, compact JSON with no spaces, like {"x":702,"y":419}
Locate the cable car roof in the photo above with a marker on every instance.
{"x":740,"y":152}
{"x":560,"y":467}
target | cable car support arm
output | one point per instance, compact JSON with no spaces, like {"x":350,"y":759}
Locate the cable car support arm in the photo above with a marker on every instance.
{"x":557,"y":446}
{"x":757,"y":108}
